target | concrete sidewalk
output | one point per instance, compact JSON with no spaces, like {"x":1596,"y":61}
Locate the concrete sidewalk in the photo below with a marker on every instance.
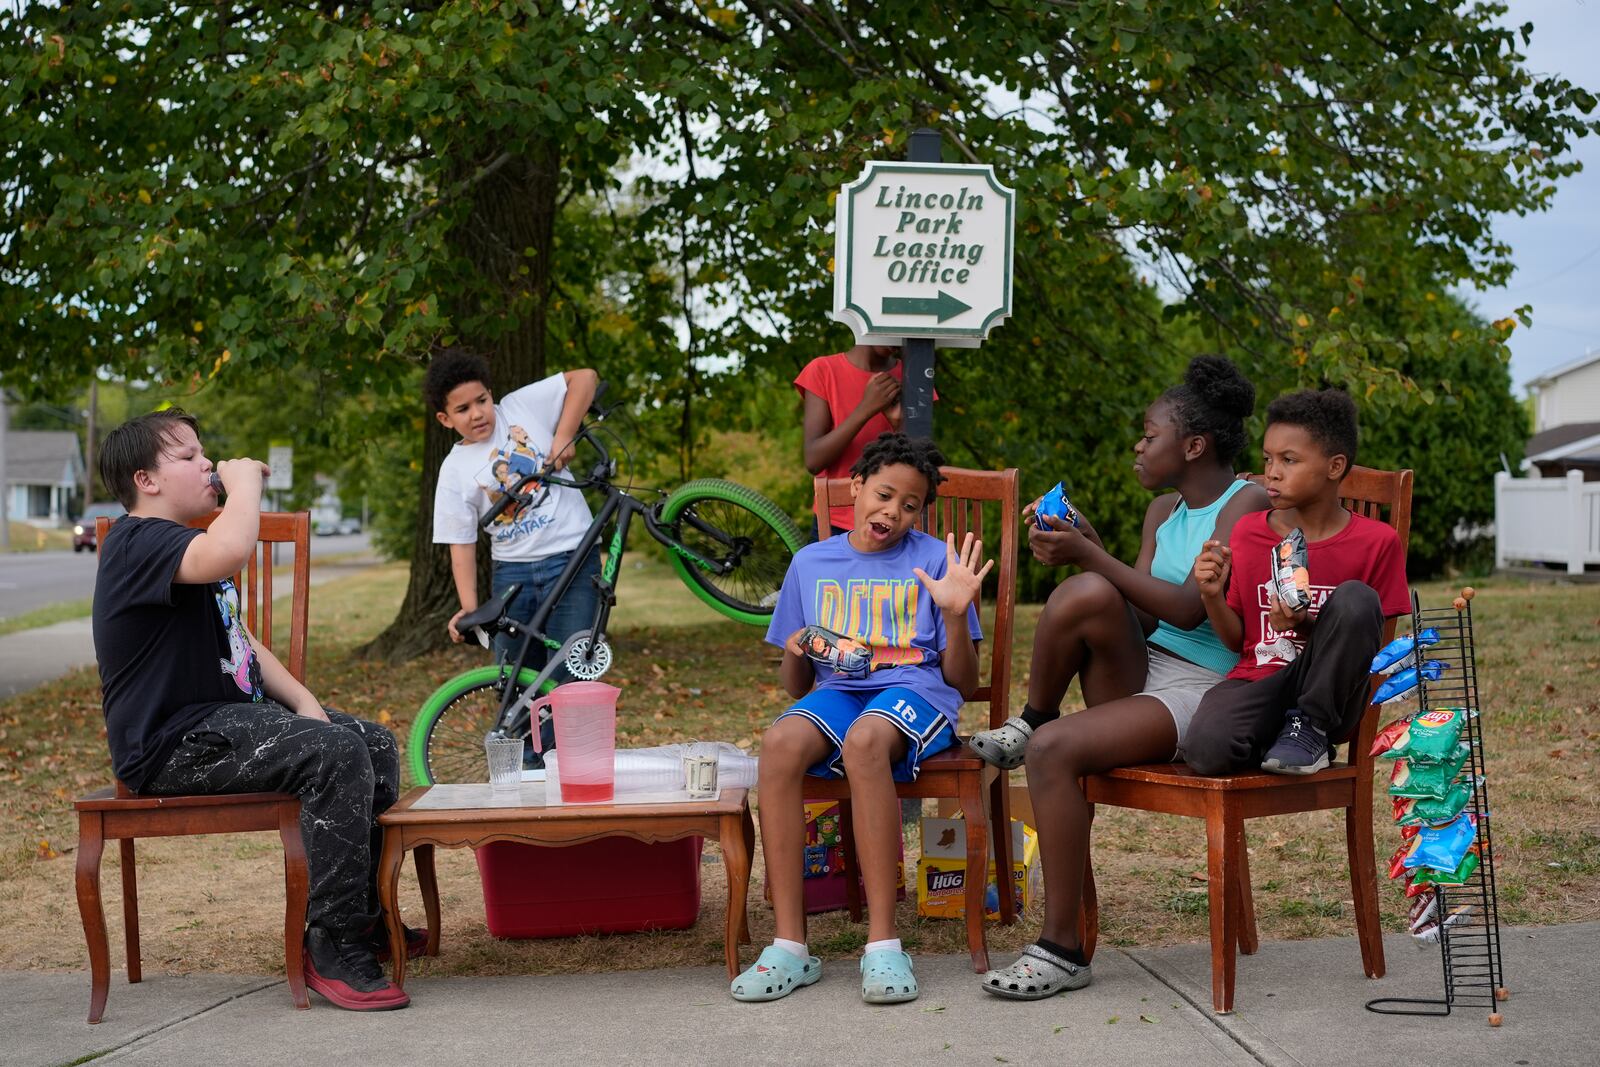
{"x":1298,"y":1003}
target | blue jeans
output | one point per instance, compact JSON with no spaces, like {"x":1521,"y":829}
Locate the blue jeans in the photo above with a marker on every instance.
{"x":573,"y":612}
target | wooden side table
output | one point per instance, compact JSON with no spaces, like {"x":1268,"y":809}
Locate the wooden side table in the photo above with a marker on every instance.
{"x":407,"y":828}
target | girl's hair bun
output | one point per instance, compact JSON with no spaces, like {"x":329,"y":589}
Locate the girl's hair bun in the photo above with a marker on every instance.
{"x":1214,"y":399}
{"x":1218,"y":384}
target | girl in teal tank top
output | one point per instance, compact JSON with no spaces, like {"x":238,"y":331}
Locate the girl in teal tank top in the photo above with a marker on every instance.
{"x":1126,"y":633}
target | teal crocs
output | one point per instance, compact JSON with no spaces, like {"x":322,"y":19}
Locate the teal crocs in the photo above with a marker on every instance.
{"x":886,"y":978}
{"x":775,"y":974}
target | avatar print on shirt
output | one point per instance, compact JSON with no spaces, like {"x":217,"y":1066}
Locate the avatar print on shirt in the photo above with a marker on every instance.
{"x":516,"y":459}
{"x":1281,"y":648}
{"x":241,"y":657}
{"x":879,"y":612}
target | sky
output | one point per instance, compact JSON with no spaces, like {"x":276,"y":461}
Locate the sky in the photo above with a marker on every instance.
{"x":1557,"y":252}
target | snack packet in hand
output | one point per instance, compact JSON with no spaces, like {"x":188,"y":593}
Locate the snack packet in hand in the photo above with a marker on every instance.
{"x":1291,"y":582}
{"x":844,"y":654}
{"x":1055,"y":503}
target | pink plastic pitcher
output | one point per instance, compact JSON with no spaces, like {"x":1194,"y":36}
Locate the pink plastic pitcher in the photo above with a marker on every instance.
{"x":585,"y":716}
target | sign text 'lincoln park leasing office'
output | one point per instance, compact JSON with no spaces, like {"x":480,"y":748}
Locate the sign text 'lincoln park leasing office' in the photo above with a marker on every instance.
{"x":923,"y":250}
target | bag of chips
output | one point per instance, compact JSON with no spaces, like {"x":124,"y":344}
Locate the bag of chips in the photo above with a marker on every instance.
{"x":1413,"y":779}
{"x":844,"y":654}
{"x":1441,"y":847}
{"x":1401,"y":683}
{"x":1055,"y":503}
{"x":1427,"y":932}
{"x":1432,"y":736}
{"x":1418,"y":811}
{"x":1422,"y":911}
{"x":1396,"y":862}
{"x":1456,"y":876}
{"x":1401,"y":652}
{"x":1291,"y":581}
{"x":1391,"y":735}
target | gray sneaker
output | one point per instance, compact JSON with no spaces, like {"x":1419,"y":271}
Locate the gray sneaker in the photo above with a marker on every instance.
{"x":1005,"y":745}
{"x":1300,"y":749}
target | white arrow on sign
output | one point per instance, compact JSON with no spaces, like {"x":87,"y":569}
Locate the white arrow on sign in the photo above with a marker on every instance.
{"x":923,"y":250}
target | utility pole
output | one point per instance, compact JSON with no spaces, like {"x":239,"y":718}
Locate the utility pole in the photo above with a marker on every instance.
{"x":89,"y":443}
{"x":916,"y":353}
{"x":5,"y":481}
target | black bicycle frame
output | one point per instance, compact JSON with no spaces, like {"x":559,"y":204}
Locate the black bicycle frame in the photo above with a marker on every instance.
{"x":619,"y":505}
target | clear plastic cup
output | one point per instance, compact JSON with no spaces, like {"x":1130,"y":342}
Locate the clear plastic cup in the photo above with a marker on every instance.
{"x":505,"y":761}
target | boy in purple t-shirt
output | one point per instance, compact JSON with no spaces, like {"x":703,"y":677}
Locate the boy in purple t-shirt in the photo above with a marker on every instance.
{"x":911,"y":601}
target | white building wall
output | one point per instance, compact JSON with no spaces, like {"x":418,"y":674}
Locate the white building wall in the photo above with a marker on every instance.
{"x":1573,"y":397}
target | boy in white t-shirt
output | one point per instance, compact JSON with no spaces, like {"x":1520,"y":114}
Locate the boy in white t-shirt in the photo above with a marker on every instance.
{"x":528,"y":430}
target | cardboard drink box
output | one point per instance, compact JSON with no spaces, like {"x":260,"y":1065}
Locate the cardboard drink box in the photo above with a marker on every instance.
{"x":942,"y":870}
{"x":825,"y":887}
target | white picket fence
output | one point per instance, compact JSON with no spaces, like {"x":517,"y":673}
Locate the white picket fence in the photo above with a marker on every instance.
{"x":1546,"y":520}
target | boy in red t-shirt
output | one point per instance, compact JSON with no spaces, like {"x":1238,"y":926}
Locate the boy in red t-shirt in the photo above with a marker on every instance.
{"x":1301,"y":680}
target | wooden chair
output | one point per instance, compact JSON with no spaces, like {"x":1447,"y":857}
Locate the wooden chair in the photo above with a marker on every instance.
{"x":1226,"y":801}
{"x":957,"y":772}
{"x":118,"y":814}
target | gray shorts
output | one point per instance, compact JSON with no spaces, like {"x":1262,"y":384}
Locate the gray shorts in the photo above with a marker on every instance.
{"x":1179,"y":685}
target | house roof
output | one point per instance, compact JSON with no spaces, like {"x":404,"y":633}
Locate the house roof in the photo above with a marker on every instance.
{"x":1561,"y":436}
{"x":42,"y":457}
{"x":1564,"y":369}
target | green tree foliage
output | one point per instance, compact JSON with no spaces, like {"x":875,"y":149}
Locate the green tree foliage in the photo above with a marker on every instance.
{"x":238,"y":193}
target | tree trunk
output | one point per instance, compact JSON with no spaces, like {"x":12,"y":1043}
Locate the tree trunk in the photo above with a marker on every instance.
{"x":499,"y":311}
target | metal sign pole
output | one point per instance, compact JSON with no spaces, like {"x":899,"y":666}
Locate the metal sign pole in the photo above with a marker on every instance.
{"x":916,"y":388}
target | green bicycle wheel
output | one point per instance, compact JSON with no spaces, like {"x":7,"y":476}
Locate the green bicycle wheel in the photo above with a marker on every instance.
{"x":725,"y":522}
{"x":446,"y":741}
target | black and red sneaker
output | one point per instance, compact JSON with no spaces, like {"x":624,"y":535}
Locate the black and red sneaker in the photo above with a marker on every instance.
{"x":416,"y":943}
{"x":348,"y":975}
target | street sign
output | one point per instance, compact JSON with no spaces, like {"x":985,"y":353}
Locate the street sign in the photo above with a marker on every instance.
{"x":281,"y":459}
{"x":923,"y":250}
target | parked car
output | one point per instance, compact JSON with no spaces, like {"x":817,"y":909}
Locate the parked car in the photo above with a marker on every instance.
{"x":350,"y":526}
{"x":83,"y":529}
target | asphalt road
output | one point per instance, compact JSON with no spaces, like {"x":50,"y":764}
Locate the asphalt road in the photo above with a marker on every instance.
{"x":33,"y":580}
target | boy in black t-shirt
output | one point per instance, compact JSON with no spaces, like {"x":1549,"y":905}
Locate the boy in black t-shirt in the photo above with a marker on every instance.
{"x":194,"y":704}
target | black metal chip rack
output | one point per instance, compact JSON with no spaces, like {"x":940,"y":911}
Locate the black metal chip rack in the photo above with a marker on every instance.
{"x":1470,"y":946}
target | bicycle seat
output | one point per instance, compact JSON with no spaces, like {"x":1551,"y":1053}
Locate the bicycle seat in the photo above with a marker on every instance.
{"x":488,"y":614}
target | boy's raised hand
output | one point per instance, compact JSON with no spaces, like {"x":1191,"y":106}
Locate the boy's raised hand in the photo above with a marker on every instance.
{"x":1211,"y":568}
{"x":962,"y":577}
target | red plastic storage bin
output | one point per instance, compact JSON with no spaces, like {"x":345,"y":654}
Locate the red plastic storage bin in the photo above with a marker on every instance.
{"x":613,"y":885}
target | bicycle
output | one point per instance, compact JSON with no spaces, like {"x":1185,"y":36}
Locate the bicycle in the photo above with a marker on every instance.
{"x":729,"y":544}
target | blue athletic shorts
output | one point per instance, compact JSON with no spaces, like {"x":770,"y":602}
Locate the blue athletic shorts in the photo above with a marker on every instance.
{"x":834,"y":711}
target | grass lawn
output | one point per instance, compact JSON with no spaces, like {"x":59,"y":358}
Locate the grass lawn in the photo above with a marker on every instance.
{"x":216,"y":905}
{"x":25,"y":537}
{"x":46,"y":616}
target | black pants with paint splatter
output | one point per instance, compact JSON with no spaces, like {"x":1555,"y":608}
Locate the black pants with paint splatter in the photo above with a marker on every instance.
{"x":346,"y":773}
